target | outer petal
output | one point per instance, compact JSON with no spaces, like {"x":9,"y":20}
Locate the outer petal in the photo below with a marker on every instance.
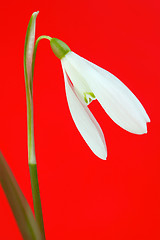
{"x":85,"y":121}
{"x":116,"y":99}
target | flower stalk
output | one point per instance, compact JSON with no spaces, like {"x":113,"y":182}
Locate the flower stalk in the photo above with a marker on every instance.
{"x":36,"y":197}
{"x":30,"y":50}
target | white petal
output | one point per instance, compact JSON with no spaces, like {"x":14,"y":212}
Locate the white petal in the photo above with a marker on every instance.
{"x":116,"y":99}
{"x":78,"y":81}
{"x":85,"y":121}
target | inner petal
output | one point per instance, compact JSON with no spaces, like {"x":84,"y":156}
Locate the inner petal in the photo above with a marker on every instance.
{"x":80,"y":85}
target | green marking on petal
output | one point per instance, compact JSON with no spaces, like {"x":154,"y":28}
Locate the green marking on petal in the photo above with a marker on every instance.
{"x":92,"y":94}
{"x":85,"y":99}
{"x":88,"y":97}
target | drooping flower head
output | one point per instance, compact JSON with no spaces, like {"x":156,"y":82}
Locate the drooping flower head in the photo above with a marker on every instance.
{"x":84,"y":82}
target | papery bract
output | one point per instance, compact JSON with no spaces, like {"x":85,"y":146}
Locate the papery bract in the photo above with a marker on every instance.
{"x":28,"y":51}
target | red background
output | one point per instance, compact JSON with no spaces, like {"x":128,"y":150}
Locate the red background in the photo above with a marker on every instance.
{"x":82,"y":196}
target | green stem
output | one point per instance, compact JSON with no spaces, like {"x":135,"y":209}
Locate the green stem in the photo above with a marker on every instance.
{"x":31,"y":144}
{"x":33,"y":168}
{"x":29,"y":94}
{"x":34,"y":55}
{"x":36,"y":197}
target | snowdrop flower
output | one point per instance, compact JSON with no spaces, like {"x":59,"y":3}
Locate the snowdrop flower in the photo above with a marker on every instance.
{"x":85,"y":82}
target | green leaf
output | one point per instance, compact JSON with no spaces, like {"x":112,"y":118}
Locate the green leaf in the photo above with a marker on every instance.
{"x":19,"y":205}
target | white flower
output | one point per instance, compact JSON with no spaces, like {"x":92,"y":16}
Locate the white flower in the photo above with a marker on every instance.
{"x":84,"y":82}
